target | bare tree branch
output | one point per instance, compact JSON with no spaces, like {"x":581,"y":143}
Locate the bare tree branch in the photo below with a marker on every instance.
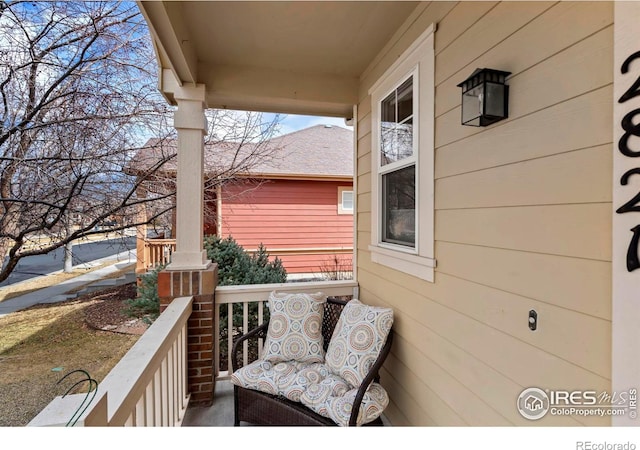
{"x":76,"y":99}
{"x":78,"y":102}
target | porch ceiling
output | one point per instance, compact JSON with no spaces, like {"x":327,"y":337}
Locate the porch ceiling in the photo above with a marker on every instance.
{"x":301,"y":57}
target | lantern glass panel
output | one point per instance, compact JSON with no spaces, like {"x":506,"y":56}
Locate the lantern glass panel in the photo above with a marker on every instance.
{"x":472,"y":106}
{"x":494,"y":100}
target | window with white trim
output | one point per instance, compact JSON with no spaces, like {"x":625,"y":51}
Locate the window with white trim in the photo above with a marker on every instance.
{"x":403,"y":162}
{"x":345,"y":200}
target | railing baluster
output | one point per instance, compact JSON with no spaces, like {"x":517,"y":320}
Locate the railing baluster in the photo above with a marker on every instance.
{"x":179,"y":369}
{"x":165,"y":392}
{"x":260,"y":322}
{"x":157,"y":399}
{"x":171,"y":387}
{"x":140,"y":414}
{"x":229,"y":336}
{"x":149,"y":397}
{"x":245,"y":328}
{"x":216,"y":338}
{"x":182,"y":371}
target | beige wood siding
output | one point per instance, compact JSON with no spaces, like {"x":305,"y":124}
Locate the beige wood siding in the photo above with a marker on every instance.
{"x":523,"y":218}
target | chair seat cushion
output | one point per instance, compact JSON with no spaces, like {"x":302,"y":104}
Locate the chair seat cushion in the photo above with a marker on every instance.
{"x":338,"y":405}
{"x":313,"y":385}
{"x":288,"y":379}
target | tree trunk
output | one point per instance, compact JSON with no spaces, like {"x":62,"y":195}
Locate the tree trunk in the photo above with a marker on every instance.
{"x":68,"y":257}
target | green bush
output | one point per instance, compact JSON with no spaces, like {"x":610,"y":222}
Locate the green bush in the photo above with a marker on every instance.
{"x":147,"y":302}
{"x":237,"y":266}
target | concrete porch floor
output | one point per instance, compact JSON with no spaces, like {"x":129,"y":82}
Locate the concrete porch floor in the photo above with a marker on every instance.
{"x":219,"y":414}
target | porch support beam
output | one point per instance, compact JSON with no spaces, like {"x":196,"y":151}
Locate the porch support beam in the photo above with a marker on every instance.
{"x":191,"y":125}
{"x":262,"y":89}
{"x":172,"y":40}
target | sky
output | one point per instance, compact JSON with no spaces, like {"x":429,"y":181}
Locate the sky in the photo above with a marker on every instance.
{"x":292,"y":122}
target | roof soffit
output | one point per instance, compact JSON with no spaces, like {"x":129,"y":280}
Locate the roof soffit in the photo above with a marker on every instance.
{"x":282,"y":56}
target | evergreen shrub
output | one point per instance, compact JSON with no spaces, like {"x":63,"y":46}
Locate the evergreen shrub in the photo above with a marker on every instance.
{"x":146,"y":305}
{"x":236,"y":266}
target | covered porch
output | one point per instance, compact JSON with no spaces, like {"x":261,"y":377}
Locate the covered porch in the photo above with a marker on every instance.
{"x":280,"y":57}
{"x":520,"y":214}
{"x":209,"y":58}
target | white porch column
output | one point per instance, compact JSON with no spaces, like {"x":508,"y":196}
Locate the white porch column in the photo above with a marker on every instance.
{"x":625,"y":375}
{"x":191,"y":125}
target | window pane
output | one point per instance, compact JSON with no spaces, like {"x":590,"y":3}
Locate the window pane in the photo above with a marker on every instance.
{"x":404,"y":140}
{"x":347,"y":200}
{"x":399,"y":206}
{"x":388,"y":147}
{"x":405,"y":100}
{"x":396,"y":127}
{"x":388,"y":110}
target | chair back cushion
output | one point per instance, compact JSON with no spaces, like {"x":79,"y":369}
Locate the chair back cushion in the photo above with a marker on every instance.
{"x":357,"y":340}
{"x":295,"y":328}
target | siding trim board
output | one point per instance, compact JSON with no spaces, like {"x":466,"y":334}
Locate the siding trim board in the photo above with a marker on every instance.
{"x":625,"y":279}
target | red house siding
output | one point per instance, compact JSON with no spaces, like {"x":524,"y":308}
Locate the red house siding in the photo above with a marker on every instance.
{"x":297,"y":221}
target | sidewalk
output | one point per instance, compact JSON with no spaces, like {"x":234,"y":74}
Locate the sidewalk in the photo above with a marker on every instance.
{"x":59,"y":292}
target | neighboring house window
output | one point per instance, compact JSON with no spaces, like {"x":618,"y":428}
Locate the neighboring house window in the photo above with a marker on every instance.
{"x":403,"y":162}
{"x":345,"y":200}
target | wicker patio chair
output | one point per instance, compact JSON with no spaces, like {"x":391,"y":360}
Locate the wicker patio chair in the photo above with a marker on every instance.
{"x":260,"y":408}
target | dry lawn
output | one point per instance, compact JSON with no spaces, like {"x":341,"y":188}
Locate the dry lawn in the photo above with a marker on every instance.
{"x":38,"y":346}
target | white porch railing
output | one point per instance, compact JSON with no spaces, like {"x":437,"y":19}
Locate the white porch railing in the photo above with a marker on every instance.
{"x":251,"y":313}
{"x":148,"y":386}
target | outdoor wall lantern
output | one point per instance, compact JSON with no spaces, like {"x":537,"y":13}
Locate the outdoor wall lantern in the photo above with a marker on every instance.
{"x":485,"y":97}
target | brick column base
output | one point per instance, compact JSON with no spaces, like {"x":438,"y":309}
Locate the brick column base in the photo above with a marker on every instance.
{"x":200,"y":284}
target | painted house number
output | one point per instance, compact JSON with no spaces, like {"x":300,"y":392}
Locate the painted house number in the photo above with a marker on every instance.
{"x":630,"y":129}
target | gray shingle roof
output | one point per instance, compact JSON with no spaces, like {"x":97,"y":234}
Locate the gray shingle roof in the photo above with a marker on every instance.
{"x":318,"y":151}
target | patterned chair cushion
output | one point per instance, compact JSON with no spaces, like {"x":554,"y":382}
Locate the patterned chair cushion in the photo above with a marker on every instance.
{"x":259,"y":376}
{"x":295,"y":328}
{"x":357,"y":340}
{"x":315,"y":387}
{"x":338,"y":407}
{"x":288,"y":379}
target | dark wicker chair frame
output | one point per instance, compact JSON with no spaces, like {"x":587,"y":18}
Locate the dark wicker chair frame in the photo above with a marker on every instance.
{"x":260,"y":408}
